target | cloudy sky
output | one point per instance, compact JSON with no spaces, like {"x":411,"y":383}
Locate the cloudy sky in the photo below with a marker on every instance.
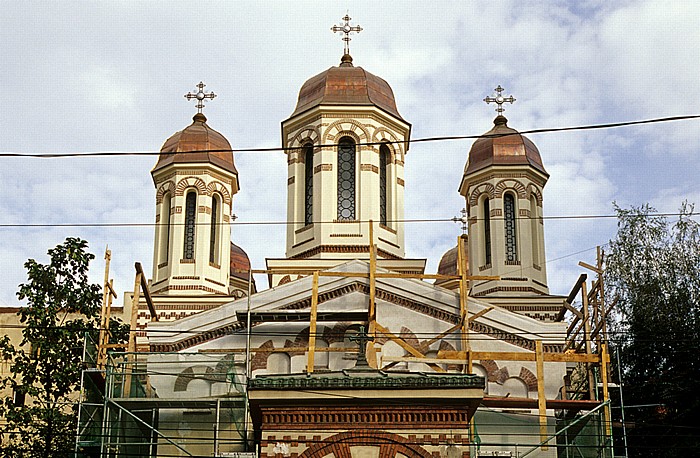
{"x":110,"y":76}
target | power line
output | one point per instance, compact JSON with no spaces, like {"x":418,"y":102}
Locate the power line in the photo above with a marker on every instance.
{"x":330,"y":145}
{"x":288,"y":223}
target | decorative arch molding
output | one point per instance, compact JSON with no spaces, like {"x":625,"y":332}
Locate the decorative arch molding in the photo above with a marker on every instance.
{"x":300,"y":341}
{"x":484,"y":188}
{"x":167,"y":187}
{"x":382,"y":134}
{"x":306,"y":135}
{"x":201,"y":373}
{"x":191,"y":182}
{"x":533,"y":190}
{"x":345,"y":127}
{"x":514,"y":185}
{"x":217,"y":186}
{"x":259,"y":359}
{"x":389,"y":444}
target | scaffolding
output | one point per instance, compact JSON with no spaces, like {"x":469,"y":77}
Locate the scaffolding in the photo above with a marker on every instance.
{"x":122,"y":412}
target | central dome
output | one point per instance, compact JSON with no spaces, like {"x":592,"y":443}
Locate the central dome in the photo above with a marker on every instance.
{"x":346,"y":85}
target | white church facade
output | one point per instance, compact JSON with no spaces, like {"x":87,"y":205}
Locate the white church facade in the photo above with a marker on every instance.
{"x":353,"y":350}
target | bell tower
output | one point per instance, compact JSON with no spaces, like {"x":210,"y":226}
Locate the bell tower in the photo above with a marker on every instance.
{"x":346,"y":144}
{"x":195,"y":180}
{"x":502,"y":184}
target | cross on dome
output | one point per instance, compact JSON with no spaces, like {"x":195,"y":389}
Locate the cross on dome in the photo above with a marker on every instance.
{"x":499,"y":99}
{"x":200,"y":96}
{"x":346,"y":29}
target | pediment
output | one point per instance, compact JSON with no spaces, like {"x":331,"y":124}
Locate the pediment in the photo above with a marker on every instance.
{"x":343,"y":299}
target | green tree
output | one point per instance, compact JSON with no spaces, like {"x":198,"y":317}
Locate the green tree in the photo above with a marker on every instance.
{"x":653,"y":269}
{"x":45,"y":368}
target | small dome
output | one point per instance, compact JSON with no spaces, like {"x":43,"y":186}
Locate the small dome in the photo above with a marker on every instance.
{"x":240,"y":263}
{"x":197,"y":143}
{"x":506,"y":147}
{"x":448,"y":266}
{"x":346,"y":85}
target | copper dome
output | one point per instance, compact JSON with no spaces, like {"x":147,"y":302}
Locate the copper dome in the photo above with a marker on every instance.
{"x":448,"y":265}
{"x":346,"y":85}
{"x":197,"y":143}
{"x":506,"y":146}
{"x":240,"y":263}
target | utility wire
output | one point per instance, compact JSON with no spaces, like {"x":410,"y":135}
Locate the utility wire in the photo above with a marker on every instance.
{"x":419,"y":140}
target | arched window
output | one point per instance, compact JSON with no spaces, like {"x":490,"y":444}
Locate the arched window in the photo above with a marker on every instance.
{"x":308,"y":184}
{"x":165,"y":228}
{"x":384,"y":156}
{"x":487,"y":232}
{"x":215,"y":229}
{"x":346,"y":179}
{"x":509,"y":219}
{"x":190,"y":215}
{"x":534,"y":221}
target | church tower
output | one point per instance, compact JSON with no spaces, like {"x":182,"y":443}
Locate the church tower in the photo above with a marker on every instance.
{"x":502,"y":184}
{"x":195,"y":180}
{"x":345,"y":143}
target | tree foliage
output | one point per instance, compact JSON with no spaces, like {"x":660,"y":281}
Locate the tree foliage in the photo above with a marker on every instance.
{"x":653,"y":269}
{"x":45,"y":368}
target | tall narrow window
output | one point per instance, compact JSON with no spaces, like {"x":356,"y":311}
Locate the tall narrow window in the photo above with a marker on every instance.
{"x":190,"y":214}
{"x":214,"y":230}
{"x":164,"y":229}
{"x":509,"y":217}
{"x":487,"y":232}
{"x":534,"y":222}
{"x":346,"y":179}
{"x":308,"y":184}
{"x":384,"y":156}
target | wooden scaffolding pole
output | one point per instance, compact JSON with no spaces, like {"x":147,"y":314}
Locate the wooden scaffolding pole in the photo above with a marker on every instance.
{"x":541,"y":397}
{"x":133,"y":326}
{"x":312,"y":325}
{"x":370,"y":352}
{"x":463,"y":303}
{"x":105,"y":313}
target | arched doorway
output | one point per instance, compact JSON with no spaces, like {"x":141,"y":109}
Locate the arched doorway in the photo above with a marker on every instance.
{"x":366,"y":443}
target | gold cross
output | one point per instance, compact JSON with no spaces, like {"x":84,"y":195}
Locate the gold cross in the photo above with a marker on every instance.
{"x":347,"y":29}
{"x":200,"y":96}
{"x":499,"y":99}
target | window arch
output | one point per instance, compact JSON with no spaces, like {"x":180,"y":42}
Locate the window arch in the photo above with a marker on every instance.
{"x":190,"y":216}
{"x":215,"y":229}
{"x":308,"y":184}
{"x":165,"y":228}
{"x":384,"y":161}
{"x":486,"y":208}
{"x":346,"y":179}
{"x":510,"y":230}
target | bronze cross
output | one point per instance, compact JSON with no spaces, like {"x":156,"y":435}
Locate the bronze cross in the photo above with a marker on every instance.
{"x":347,"y":29}
{"x":200,"y":96}
{"x":500,"y":100}
{"x":362,"y":340}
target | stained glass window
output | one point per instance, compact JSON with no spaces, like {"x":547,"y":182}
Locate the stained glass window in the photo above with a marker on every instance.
{"x":214,"y":229}
{"x":308,"y":184}
{"x":511,"y":241}
{"x":346,"y":179}
{"x":190,"y":214}
{"x":487,"y":232}
{"x":384,"y":156}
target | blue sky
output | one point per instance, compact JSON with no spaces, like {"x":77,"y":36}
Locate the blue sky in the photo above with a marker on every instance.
{"x":110,"y":76}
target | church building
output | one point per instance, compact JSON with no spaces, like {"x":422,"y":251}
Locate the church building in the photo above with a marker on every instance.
{"x":353,"y":349}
